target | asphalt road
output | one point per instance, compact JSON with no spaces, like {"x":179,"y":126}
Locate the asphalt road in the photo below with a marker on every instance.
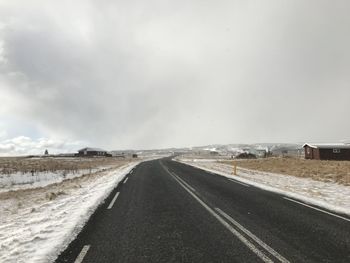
{"x":165,"y":211}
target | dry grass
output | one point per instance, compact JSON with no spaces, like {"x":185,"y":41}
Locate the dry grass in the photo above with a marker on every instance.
{"x":334,"y":171}
{"x":27,"y":165}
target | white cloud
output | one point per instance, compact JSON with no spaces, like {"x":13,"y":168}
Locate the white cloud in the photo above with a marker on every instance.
{"x":23,"y":145}
{"x":2,"y":56}
{"x":3,"y":134}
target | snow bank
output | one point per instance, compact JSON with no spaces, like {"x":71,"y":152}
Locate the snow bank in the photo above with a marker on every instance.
{"x":37,"y":224}
{"x":331,"y":196}
{"x":16,"y":181}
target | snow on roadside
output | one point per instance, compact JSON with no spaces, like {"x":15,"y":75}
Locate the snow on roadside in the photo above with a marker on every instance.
{"x":17,"y":181}
{"x":37,"y":224}
{"x":331,"y":196}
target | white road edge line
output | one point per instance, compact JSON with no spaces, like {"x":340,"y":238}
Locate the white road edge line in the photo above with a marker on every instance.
{"x":126,"y":180}
{"x":232,"y":180}
{"x":82,"y":254}
{"x":252,"y":236}
{"x":318,"y":209}
{"x":112,"y":203}
{"x":245,"y":241}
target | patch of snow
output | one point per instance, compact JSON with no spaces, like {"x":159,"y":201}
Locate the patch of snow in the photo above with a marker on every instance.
{"x":329,"y":195}
{"x":16,"y":181}
{"x":37,"y":224}
{"x":202,"y":160}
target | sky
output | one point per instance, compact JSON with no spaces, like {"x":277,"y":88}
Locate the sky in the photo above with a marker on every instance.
{"x":156,"y":74}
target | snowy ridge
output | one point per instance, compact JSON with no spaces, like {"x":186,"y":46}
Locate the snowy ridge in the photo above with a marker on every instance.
{"x":331,"y":196}
{"x":37,"y":224}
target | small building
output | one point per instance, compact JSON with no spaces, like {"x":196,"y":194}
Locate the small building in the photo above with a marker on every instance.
{"x":214,"y":153}
{"x":245,"y":155}
{"x":92,"y":152}
{"x":335,"y":151}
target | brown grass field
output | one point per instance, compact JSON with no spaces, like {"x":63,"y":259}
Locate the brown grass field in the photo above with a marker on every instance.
{"x":330,"y":171}
{"x":10,"y":165}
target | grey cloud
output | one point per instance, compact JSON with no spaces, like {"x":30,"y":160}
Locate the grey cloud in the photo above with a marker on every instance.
{"x":135,"y":75}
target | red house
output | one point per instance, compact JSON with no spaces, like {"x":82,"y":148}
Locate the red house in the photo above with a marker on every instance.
{"x":335,"y":151}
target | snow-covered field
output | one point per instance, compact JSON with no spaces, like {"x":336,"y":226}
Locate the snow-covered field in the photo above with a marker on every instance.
{"x":36,"y":224}
{"x":329,"y":195}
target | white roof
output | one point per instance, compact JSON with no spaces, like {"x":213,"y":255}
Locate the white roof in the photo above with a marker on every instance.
{"x":328,"y":145}
{"x":88,"y":149}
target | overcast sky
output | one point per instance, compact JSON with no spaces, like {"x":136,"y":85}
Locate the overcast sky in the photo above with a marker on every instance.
{"x":160,"y":73}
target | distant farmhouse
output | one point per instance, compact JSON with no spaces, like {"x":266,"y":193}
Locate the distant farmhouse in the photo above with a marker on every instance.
{"x":214,"y":153}
{"x":336,"y":151}
{"x":89,"y":152}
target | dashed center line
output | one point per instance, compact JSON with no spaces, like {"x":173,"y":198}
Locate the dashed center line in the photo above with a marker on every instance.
{"x":318,"y":209}
{"x":245,"y":241}
{"x":252,"y":236}
{"x":126,"y":180}
{"x":112,"y":203}
{"x":82,"y":254}
{"x":221,"y":216}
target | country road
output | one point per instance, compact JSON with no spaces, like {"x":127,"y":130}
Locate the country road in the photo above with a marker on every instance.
{"x":165,"y":211}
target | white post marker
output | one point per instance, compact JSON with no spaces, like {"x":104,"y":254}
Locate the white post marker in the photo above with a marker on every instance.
{"x":82,"y":254}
